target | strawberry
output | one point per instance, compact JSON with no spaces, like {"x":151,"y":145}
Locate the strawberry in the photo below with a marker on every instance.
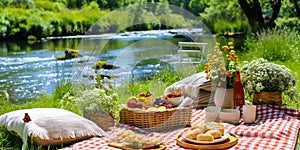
{"x":142,"y":94}
{"x":148,"y":95}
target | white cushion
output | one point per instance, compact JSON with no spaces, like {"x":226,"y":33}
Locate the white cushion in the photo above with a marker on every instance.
{"x":50,"y":126}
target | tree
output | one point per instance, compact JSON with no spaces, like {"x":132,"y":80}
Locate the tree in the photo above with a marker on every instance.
{"x":198,"y":6}
{"x":297,"y":8}
{"x":254,"y":13}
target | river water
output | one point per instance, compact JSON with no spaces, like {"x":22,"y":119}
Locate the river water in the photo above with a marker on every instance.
{"x":27,"y":70}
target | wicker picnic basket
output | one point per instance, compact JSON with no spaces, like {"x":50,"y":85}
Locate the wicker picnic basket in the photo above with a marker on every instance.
{"x":104,"y":121}
{"x":269,"y":98}
{"x":164,"y":120}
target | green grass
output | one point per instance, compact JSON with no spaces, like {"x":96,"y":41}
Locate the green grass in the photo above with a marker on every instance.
{"x":287,"y":40}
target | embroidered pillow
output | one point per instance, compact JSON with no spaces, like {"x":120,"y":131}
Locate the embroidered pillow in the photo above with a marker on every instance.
{"x":50,"y":126}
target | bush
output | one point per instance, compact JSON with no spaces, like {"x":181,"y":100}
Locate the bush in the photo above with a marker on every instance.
{"x":288,"y":22}
{"x":274,"y":44}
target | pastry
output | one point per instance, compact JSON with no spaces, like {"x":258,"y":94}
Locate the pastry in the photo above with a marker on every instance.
{"x":213,"y":126}
{"x":215,"y":133}
{"x":204,"y":137}
{"x":193,"y":133}
{"x":196,"y":126}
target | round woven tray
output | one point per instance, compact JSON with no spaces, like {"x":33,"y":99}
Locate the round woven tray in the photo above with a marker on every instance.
{"x":230,"y":142}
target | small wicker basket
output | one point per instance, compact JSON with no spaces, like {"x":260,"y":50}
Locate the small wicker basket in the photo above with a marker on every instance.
{"x":104,"y":121}
{"x":165,"y":120}
{"x":270,"y":98}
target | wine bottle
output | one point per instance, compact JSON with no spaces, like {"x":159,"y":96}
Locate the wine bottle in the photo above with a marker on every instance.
{"x":238,"y":91}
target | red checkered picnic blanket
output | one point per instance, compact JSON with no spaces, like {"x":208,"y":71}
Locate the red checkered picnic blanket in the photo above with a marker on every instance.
{"x":275,"y":128}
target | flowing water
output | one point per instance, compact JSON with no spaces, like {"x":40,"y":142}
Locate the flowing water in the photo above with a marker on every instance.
{"x":27,"y":70}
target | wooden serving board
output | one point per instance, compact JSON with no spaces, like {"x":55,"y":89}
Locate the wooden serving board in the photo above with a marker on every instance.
{"x":118,"y":145}
{"x":231,"y":141}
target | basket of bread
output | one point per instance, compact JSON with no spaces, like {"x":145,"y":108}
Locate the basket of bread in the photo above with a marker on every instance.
{"x":154,"y":114}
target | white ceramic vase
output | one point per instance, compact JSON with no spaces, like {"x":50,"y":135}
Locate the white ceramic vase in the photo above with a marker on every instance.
{"x":224,"y":97}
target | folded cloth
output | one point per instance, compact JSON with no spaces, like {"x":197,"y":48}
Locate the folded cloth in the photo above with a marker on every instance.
{"x":197,"y":87}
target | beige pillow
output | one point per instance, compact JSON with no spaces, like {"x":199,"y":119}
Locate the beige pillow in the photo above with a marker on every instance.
{"x":50,"y":126}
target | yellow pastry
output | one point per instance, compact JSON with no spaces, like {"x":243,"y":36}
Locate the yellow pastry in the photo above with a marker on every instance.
{"x":215,"y":133}
{"x":193,"y":133}
{"x":213,"y":126}
{"x":196,"y":126}
{"x":190,"y":136}
{"x":204,"y":137}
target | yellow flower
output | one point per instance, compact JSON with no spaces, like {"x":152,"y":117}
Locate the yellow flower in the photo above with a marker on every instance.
{"x":219,"y":64}
{"x":225,"y":48}
{"x":217,"y":60}
{"x":229,"y":74}
{"x":236,"y":57}
{"x":220,"y":53}
{"x":228,"y":57}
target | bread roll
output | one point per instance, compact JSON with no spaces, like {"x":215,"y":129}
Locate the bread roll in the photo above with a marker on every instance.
{"x":190,"y":136}
{"x":204,"y":137}
{"x":213,"y":126}
{"x":193,"y":133}
{"x":196,"y":126}
{"x":215,"y":133}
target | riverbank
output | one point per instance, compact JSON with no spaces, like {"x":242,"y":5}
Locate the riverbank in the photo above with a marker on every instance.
{"x":28,"y":70}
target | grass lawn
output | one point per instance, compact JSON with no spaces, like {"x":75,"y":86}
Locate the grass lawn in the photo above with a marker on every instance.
{"x":285,"y":42}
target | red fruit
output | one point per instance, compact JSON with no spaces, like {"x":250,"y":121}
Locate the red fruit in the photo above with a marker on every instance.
{"x":142,"y":94}
{"x":131,"y":104}
{"x":168,"y":105}
{"x":148,"y":95}
{"x":139,"y":105}
{"x":170,"y":95}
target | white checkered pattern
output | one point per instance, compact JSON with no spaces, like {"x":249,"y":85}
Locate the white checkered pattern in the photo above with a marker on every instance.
{"x":275,"y":128}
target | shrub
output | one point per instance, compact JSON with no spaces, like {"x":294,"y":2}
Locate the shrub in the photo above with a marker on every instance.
{"x":274,"y":44}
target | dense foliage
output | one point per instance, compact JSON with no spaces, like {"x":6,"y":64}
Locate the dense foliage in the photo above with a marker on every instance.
{"x":41,"y":18}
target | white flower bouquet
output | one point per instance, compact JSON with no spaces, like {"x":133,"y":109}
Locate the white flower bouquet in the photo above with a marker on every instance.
{"x":262,"y":76}
{"x":101,"y":99}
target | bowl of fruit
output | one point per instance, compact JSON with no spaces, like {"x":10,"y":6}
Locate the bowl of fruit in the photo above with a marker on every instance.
{"x":174,"y":98}
{"x":142,"y":101}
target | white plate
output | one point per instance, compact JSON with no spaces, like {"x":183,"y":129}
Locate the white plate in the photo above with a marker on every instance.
{"x":225,"y":136}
